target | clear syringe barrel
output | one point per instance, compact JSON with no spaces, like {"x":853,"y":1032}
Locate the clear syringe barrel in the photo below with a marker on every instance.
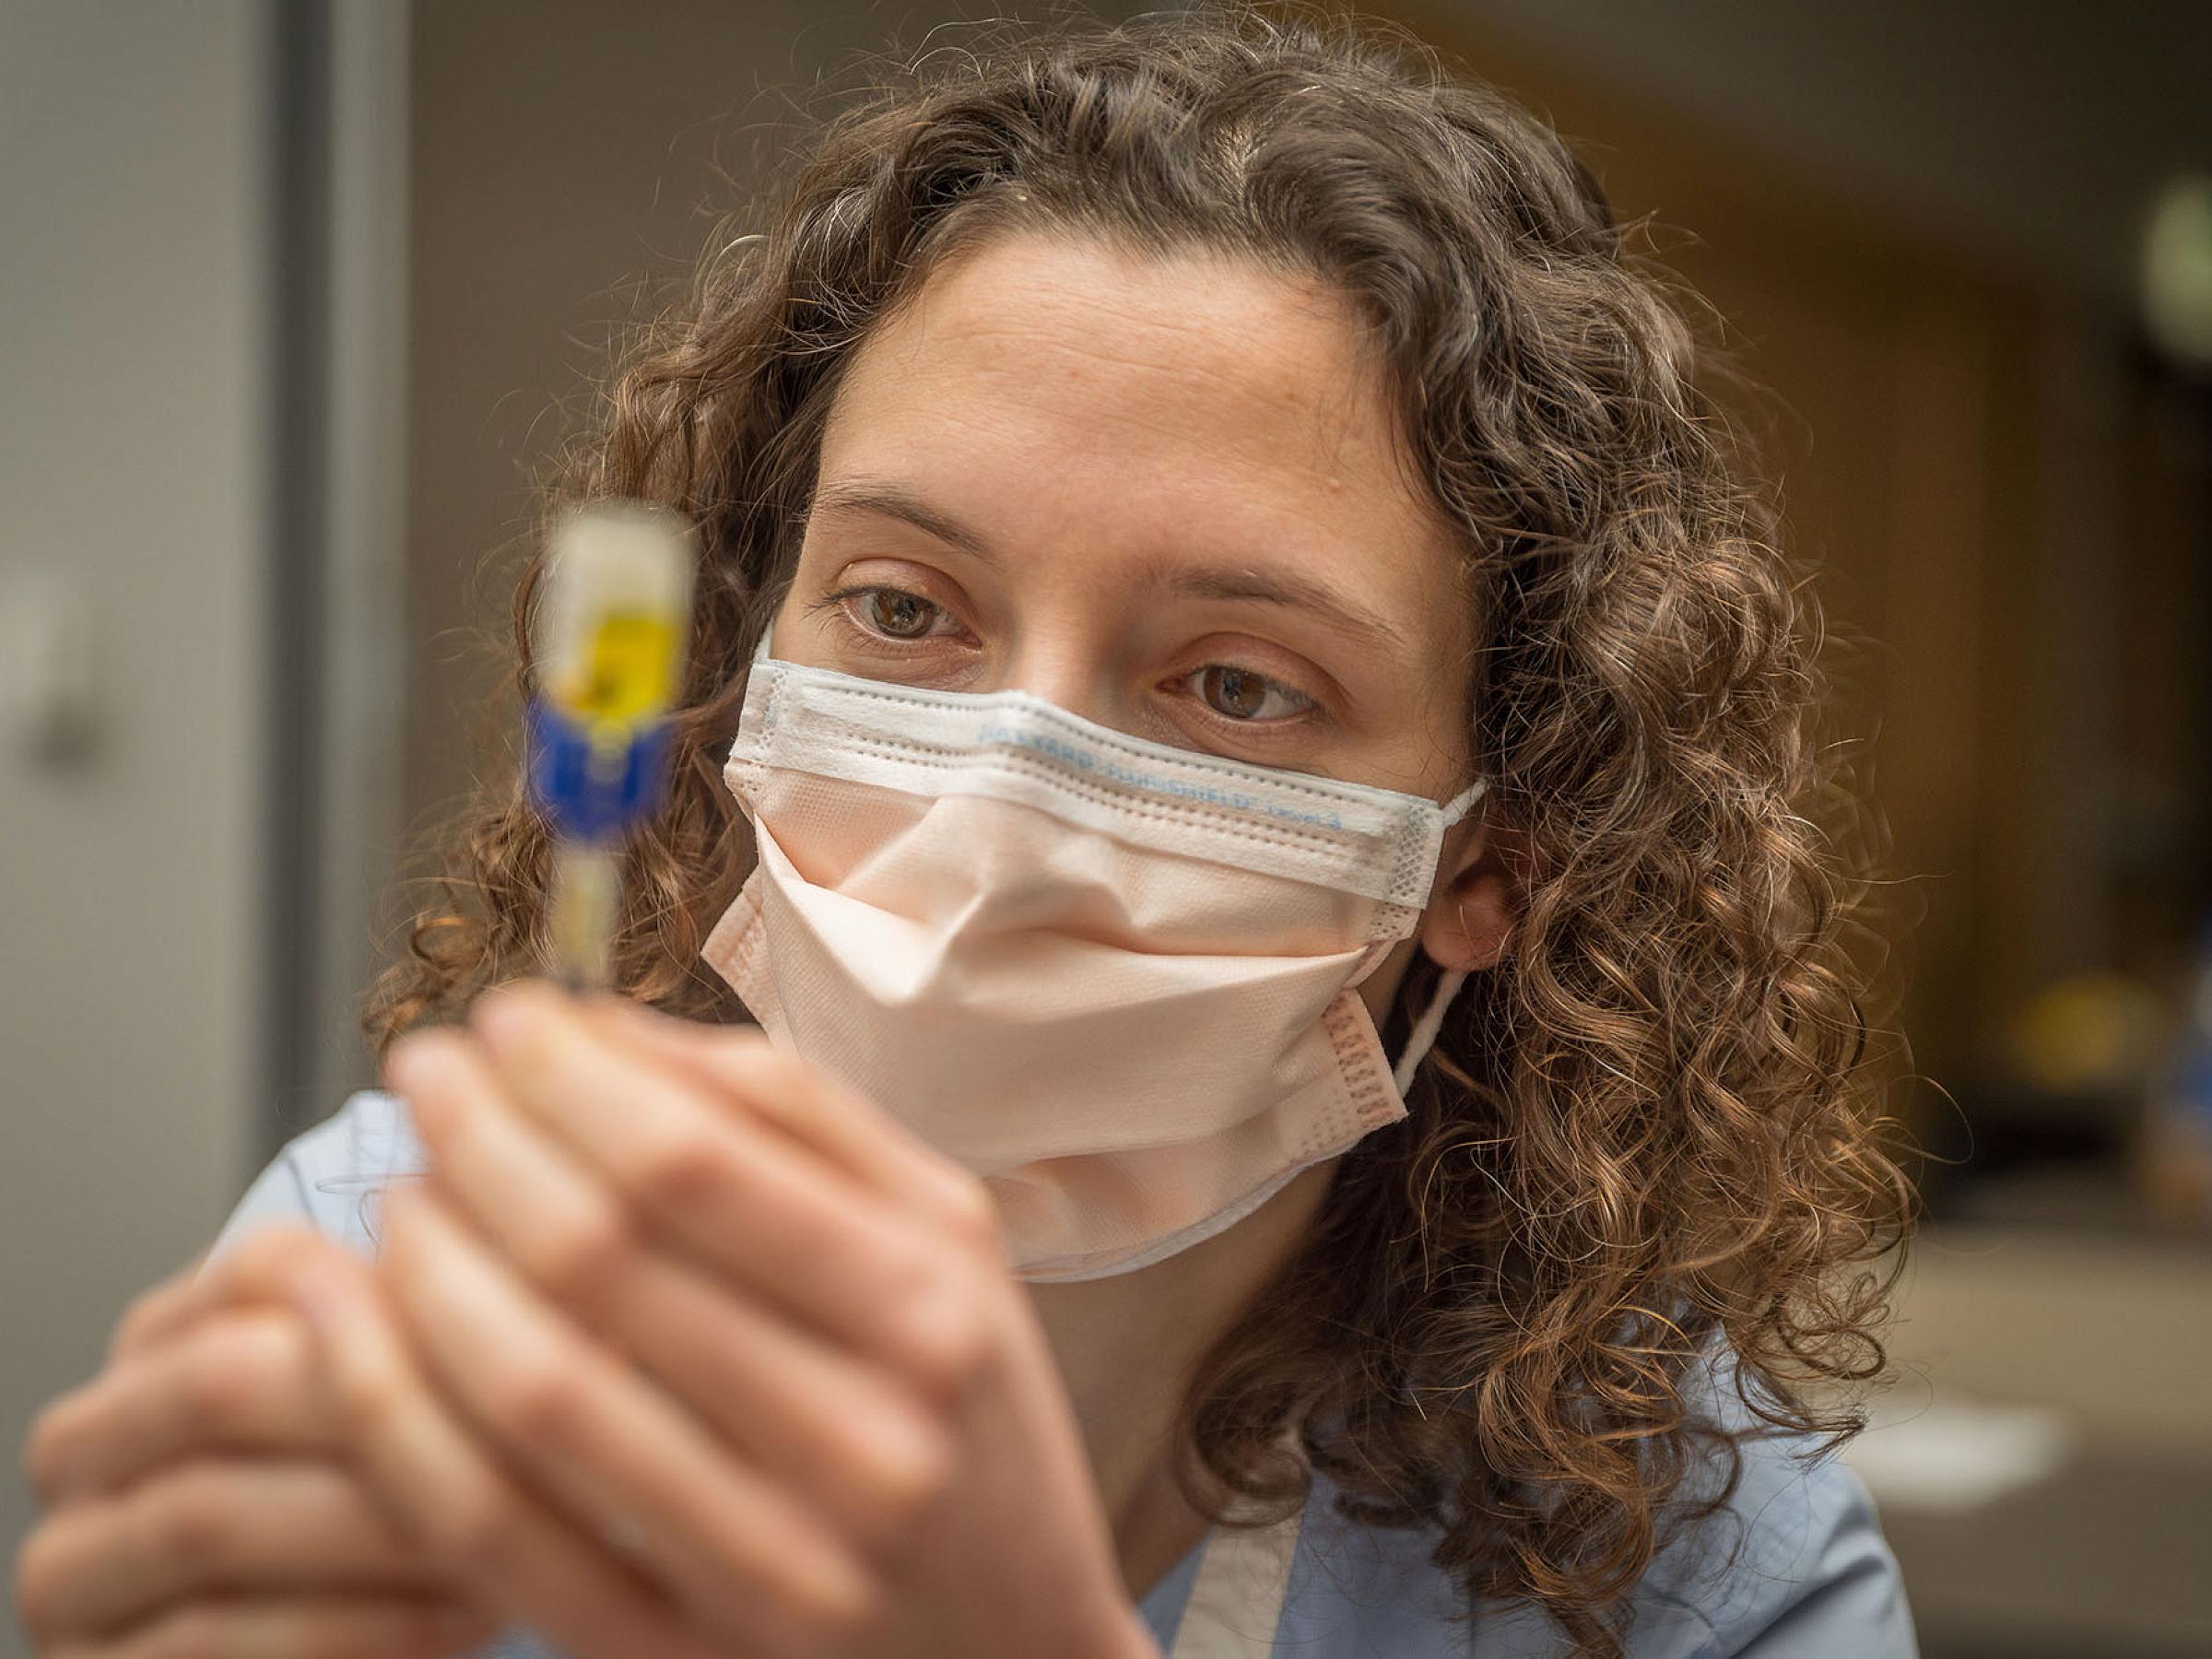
{"x":616,"y":609}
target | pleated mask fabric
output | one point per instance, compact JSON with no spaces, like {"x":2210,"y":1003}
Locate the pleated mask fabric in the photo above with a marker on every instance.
{"x":1113,"y":978}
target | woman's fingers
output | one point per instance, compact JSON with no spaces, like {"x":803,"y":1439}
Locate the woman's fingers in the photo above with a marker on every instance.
{"x":607,"y":1440}
{"x":239,"y":1379}
{"x":837,"y":1123}
{"x":260,"y":1269}
{"x":841,"y":1437}
{"x":809,"y":1238}
{"x":804,"y":1411}
{"x":301,"y":1627}
{"x":208,"y":1525}
{"x":454,"y":1501}
{"x":154,"y":1309}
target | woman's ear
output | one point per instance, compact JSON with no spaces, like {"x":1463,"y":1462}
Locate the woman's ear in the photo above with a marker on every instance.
{"x":1470,"y":923}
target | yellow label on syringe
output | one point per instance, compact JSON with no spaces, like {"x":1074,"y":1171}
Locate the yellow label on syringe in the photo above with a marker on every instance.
{"x":625,"y":672}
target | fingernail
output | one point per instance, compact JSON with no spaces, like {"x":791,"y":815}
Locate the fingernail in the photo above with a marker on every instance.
{"x":503,"y":1016}
{"x":420,"y":1061}
{"x":396,"y":1202}
{"x":496,"y":1019}
{"x":326,"y":1300}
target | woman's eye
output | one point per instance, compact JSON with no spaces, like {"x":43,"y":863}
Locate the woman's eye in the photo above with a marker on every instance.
{"x":1239,"y":694}
{"x":893,"y":612}
{"x":1236,"y":695}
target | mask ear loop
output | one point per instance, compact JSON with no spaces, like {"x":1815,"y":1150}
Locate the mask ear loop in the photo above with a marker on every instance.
{"x":1456,"y":807}
{"x":1424,"y":1030}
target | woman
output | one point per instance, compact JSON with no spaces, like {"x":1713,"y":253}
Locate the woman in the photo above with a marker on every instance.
{"x":1310,"y":1098}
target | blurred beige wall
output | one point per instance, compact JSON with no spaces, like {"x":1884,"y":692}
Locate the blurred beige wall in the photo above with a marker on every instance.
{"x":134,"y":276}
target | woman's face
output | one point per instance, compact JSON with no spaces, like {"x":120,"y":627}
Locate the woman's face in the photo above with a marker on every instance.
{"x":1161,"y":493}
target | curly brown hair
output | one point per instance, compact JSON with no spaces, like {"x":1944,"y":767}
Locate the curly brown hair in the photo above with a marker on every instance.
{"x":1644,"y":1136}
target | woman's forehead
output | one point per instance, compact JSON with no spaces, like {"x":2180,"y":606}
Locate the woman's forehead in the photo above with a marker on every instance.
{"x":1040,"y":387}
{"x":1126,"y":352}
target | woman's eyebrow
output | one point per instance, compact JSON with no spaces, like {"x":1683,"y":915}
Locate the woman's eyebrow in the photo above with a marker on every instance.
{"x":1271,"y":584}
{"x":864,"y":495}
{"x":1268,"y":584}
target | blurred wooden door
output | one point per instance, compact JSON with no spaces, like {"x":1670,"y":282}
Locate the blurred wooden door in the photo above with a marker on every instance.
{"x":1891,"y":398}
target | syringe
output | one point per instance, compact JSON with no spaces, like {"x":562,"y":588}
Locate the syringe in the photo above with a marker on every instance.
{"x":610,"y":645}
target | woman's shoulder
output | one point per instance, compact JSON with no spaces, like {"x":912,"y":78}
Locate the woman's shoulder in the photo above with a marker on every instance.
{"x":327,"y":1176}
{"x":1792,"y":1563}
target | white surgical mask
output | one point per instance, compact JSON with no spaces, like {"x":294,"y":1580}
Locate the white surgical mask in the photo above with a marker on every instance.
{"x":1113,"y":978}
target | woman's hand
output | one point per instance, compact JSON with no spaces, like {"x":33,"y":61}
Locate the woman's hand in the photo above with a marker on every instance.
{"x":196,"y":1501}
{"x":710,"y":1303}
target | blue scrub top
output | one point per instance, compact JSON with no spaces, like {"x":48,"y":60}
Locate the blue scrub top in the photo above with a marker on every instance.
{"x":1794,"y":1565}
